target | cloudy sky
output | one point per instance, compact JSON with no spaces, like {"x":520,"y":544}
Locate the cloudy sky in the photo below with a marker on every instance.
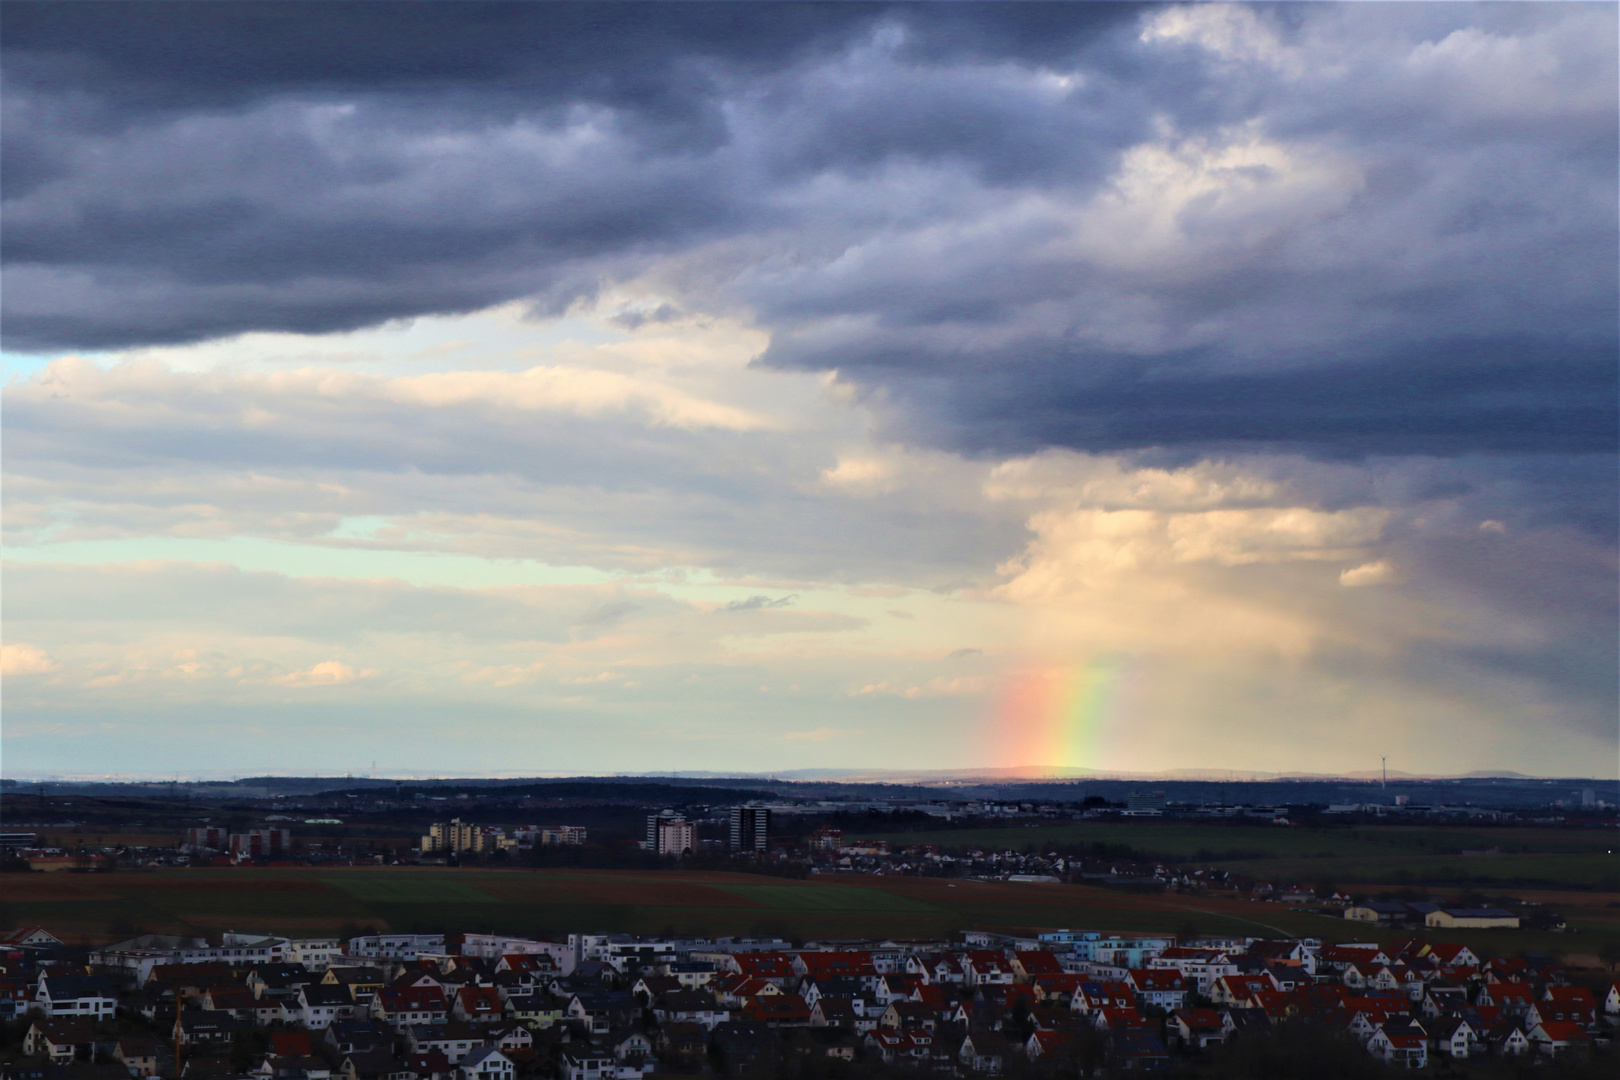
{"x":526,"y":389}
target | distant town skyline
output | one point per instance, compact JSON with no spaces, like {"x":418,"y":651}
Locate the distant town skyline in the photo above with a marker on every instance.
{"x":586,"y":389}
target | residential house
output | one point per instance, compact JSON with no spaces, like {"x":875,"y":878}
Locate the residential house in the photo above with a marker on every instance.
{"x":362,"y":982}
{"x":87,"y":997}
{"x":1452,"y":955}
{"x":1198,"y":1028}
{"x":319,"y":1006}
{"x":1443,"y":1000}
{"x":632,"y":1052}
{"x":690,"y":1007}
{"x":774,"y":968}
{"x":138,"y":1053}
{"x":836,"y":1012}
{"x":691,"y":973}
{"x":943,"y":969}
{"x":777,"y":1010}
{"x":358,"y":1036}
{"x":264,"y":977}
{"x":273,"y":1008}
{"x":1094,"y":996}
{"x":536,"y":1011}
{"x":736,"y":990}
{"x":454,"y":1040}
{"x":432,"y":1065}
{"x":1368,"y":1014}
{"x":1029,"y":965}
{"x":900,"y":1046}
{"x":402,"y":1007}
{"x":1572,"y":1004}
{"x":1514,"y":999}
{"x":1201,"y":967}
{"x":986,"y":1052}
{"x":477,"y":1004}
{"x":982,"y":967}
{"x":1452,"y":1036}
{"x":14,"y":996}
{"x":1051,"y":1045}
{"x":1118,"y":1019}
{"x":374,"y":1065}
{"x":1239,"y":990}
{"x":683,"y":1045}
{"x":1058,"y":989}
{"x":601,"y":1010}
{"x":1163,"y":988}
{"x":59,"y":1040}
{"x":509,"y":1038}
{"x":895,"y":988}
{"x":486,"y":1063}
{"x":1507,"y":1039}
{"x":1332,"y":958}
{"x":236,"y":1000}
{"x":901,"y":1015}
{"x":1559,"y":1038}
{"x":304,"y":1067}
{"x":194,"y":1027}
{"x":830,"y":964}
{"x":1278,"y":1005}
{"x":1400,"y":1046}
{"x":29,"y":937}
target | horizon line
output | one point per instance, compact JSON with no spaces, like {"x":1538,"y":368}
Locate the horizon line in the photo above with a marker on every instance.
{"x":896,"y":777}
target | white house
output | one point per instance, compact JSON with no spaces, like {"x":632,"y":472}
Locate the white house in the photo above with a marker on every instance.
{"x":486,"y":1063}
{"x":77,"y":997}
{"x":581,"y":1061}
{"x":1406,"y":1047}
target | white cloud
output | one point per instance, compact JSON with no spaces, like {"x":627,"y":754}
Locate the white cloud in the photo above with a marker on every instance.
{"x":327,"y":673}
{"x":1379,"y":572}
{"x":860,"y":476}
{"x":939,"y":687}
{"x":24,"y":659}
{"x":1233,"y":32}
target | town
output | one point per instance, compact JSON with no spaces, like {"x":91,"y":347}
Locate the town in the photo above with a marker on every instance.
{"x":597,"y":1006}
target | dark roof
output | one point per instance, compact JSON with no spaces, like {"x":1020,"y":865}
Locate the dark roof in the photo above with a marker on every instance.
{"x":604,"y":1000}
{"x":283,"y":975}
{"x":67,"y":1031}
{"x":200,"y":1020}
{"x":371,"y":1062}
{"x":1478,"y":913}
{"x":316,"y":994}
{"x":68,"y":987}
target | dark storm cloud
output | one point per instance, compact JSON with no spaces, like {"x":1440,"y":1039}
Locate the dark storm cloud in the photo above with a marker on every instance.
{"x":1344,"y":230}
{"x":1448,"y":398}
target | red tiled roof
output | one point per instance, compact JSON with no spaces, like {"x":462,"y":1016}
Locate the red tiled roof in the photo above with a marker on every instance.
{"x":1039,"y":962}
{"x":764,"y":965}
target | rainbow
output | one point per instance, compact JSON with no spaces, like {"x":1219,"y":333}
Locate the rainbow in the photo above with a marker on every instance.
{"x":1056,"y":718}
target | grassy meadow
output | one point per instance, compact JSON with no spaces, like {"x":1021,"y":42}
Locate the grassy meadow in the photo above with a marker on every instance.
{"x":100,"y":907}
{"x":1383,"y":856}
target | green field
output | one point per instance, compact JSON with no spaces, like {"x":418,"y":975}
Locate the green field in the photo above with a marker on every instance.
{"x":1391,"y":855}
{"x":102,"y":907}
{"x":397,"y":890}
{"x":799,"y":899}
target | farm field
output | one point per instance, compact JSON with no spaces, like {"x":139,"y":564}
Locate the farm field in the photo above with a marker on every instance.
{"x":90,"y":907}
{"x":1548,"y":858}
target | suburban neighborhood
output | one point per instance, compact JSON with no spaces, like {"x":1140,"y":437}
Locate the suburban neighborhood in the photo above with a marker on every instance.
{"x":598,"y":1006}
